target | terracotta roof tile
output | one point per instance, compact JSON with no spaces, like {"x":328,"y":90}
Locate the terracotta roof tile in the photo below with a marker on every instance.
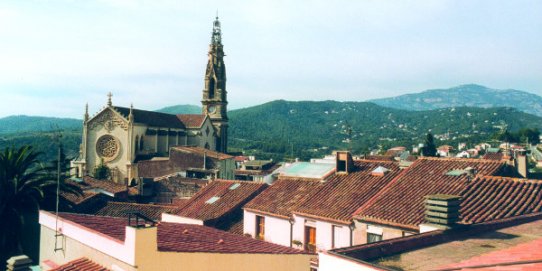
{"x":176,"y":237}
{"x":121,"y":209}
{"x":109,"y":186}
{"x":342,"y":194}
{"x":493,"y":156}
{"x":493,"y":197}
{"x":151,"y":118}
{"x":192,"y":120}
{"x":219,"y":198}
{"x":283,"y":196}
{"x":81,"y":264}
{"x":401,"y":203}
{"x":526,"y":256}
{"x":154,"y":168}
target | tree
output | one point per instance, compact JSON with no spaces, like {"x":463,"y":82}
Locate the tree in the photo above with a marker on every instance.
{"x":429,"y":148}
{"x":24,"y":183}
{"x":101,"y":171}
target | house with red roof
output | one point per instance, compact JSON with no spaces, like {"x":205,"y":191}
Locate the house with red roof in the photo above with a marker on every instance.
{"x":136,"y":243}
{"x":218,"y":205}
{"x":324,"y":219}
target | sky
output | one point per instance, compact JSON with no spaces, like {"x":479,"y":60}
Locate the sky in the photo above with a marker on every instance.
{"x":58,"y":55}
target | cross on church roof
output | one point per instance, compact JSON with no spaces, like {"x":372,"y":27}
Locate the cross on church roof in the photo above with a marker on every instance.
{"x":109,"y":95}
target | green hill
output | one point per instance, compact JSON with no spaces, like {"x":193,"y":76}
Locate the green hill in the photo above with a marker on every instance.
{"x":282,"y":129}
{"x":306,"y":129}
{"x":466,"y":95}
{"x":181,"y":109}
{"x":21,"y":124}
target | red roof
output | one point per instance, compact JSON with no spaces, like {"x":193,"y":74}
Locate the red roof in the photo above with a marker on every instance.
{"x":121,"y":209}
{"x":176,"y":237}
{"x":202,"y":151}
{"x":493,"y":156}
{"x":192,"y":120}
{"x":527,"y":256}
{"x":106,"y":185}
{"x":219,"y":198}
{"x":81,"y":264}
{"x":491,"y":197}
{"x":342,"y":194}
{"x":401,"y":203}
{"x":283,"y":196}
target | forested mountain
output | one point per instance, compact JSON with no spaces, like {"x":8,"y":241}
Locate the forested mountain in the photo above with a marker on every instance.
{"x":20,"y":124}
{"x":181,"y":109}
{"x":282,"y":129}
{"x":308,"y":129}
{"x":466,"y":95}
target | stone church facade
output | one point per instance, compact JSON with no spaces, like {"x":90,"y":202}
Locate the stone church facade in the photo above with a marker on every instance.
{"x":119,"y":137}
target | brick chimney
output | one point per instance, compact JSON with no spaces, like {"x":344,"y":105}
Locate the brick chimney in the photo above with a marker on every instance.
{"x":344,"y":163}
{"x":441,"y":212}
{"x":520,"y":162}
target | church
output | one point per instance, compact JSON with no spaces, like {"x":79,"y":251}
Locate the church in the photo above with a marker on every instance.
{"x":118,"y":137}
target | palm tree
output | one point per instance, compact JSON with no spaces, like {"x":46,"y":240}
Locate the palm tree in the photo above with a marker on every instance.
{"x":24,"y":183}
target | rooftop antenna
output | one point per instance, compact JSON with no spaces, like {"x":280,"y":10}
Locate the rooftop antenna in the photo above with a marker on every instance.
{"x":58,"y":233}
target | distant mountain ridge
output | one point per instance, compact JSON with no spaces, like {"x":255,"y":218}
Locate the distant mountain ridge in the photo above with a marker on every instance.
{"x":181,"y":109}
{"x":22,"y":123}
{"x":465,"y":95}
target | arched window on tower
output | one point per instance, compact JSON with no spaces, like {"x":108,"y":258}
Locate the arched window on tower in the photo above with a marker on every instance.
{"x":136,"y":143}
{"x":211,"y":88}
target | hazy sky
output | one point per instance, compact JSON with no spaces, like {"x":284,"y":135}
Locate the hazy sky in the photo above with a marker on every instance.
{"x":55,"y":56}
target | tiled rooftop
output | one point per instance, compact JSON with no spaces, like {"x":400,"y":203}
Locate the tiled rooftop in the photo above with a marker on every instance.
{"x":154,"y":168}
{"x":176,"y":237}
{"x":229,"y":195}
{"x":401,"y":203}
{"x":121,"y":209}
{"x":283,"y":196}
{"x":493,"y":156}
{"x":342,"y":194}
{"x":498,"y":245}
{"x":109,"y":186}
{"x":192,"y":120}
{"x":81,"y":264}
{"x":488,"y":198}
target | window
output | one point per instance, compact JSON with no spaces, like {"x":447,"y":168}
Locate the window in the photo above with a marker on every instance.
{"x":260,"y":227}
{"x":310,"y":239}
{"x":372,"y":237}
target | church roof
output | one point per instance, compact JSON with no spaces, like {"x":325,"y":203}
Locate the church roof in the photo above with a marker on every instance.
{"x":192,"y":120}
{"x":152,"y":118}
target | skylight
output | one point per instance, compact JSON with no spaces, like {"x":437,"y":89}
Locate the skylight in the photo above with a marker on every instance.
{"x":234,"y":186}
{"x":212,"y":200}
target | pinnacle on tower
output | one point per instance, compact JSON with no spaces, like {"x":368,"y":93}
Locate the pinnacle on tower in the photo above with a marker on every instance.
{"x":216,"y":37}
{"x":109,"y":102}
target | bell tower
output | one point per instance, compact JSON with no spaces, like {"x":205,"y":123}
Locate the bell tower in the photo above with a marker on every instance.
{"x":214,"y":102}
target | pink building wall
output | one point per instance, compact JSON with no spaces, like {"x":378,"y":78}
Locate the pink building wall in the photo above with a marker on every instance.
{"x":277,"y":230}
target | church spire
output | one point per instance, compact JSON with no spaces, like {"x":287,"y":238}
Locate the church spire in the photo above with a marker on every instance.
{"x":216,"y":37}
{"x":215,"y":100}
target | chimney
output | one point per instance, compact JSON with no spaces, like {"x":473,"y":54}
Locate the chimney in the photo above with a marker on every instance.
{"x":521,"y":163}
{"x":344,"y":163}
{"x":441,"y":212}
{"x":21,"y":262}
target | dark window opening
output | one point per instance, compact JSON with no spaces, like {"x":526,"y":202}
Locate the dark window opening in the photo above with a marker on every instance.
{"x":211,"y":88}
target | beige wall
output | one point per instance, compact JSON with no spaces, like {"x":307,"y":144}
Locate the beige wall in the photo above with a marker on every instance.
{"x":72,"y":250}
{"x":139,"y":252}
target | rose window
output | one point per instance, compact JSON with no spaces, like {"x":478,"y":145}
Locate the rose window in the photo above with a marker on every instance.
{"x":107,"y":147}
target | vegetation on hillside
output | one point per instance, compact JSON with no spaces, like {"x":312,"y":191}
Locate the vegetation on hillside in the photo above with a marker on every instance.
{"x":181,"y":109}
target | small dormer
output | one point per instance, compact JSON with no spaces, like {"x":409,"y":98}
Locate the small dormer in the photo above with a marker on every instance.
{"x":344,"y":162}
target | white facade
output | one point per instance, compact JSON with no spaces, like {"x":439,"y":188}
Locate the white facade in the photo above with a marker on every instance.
{"x":328,"y":235}
{"x":277,"y":230}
